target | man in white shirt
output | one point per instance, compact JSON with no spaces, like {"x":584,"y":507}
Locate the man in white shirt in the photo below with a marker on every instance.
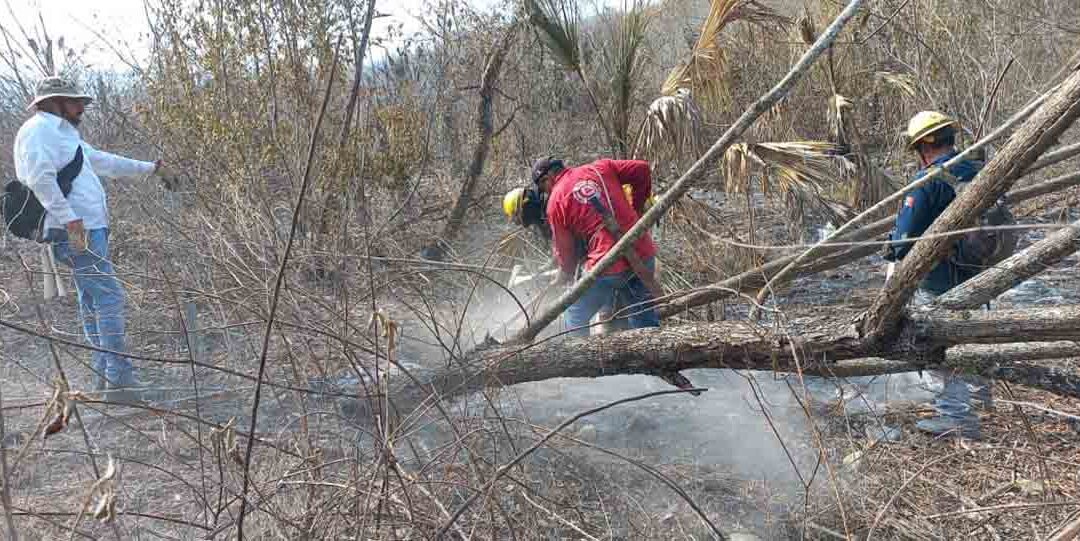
{"x":77,"y":226}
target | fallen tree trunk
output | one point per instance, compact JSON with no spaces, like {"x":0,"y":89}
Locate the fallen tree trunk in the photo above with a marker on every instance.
{"x":1041,"y":324}
{"x":1042,"y":188}
{"x":811,"y":345}
{"x":1003,"y":353}
{"x":1038,"y":133}
{"x":1002,"y":277}
{"x":977,"y":356}
{"x":1057,"y":380}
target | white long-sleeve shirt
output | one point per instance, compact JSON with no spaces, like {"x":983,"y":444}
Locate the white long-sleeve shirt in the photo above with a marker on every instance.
{"x":44,"y":145}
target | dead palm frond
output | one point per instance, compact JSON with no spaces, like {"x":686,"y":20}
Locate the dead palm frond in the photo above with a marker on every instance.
{"x":799,"y":174}
{"x":785,"y":167}
{"x":904,"y":82}
{"x":670,"y":129}
{"x":624,"y":60}
{"x":703,"y":72}
{"x":839,"y":118}
{"x":868,"y":184}
{"x":808,"y":32}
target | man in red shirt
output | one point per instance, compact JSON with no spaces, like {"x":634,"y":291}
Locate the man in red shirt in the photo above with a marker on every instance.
{"x":573,"y":196}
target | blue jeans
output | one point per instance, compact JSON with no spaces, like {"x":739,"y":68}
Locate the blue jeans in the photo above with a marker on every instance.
{"x":945,"y":276}
{"x":603,"y":292}
{"x":954,"y":400}
{"x":101,"y":302}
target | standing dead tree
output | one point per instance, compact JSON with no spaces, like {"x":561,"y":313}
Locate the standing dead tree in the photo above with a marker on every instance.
{"x":485,"y":129}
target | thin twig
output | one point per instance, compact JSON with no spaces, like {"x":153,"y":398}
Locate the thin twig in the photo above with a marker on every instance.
{"x":884,"y":24}
{"x":990,"y":101}
{"x":558,"y":517}
{"x":277,"y":291}
{"x":1003,"y":507}
{"x":1033,"y":405}
{"x":5,"y":478}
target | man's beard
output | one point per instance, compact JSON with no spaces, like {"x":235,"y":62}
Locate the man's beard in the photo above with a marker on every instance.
{"x":73,"y":119}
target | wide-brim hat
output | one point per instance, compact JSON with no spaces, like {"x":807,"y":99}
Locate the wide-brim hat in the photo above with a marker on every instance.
{"x":57,"y":87}
{"x":926,"y":123}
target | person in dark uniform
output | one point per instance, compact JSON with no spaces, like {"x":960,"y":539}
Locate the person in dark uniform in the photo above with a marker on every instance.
{"x":932,"y":136}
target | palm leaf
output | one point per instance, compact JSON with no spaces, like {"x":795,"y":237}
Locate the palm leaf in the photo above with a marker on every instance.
{"x":799,"y":174}
{"x":904,"y":82}
{"x":556,"y":22}
{"x":703,"y":72}
{"x":784,"y":167}
{"x":623,"y":58}
{"x":839,"y":108}
{"x":869,"y":184}
{"x":670,"y":129}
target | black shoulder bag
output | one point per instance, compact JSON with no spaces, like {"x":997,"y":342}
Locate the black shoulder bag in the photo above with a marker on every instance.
{"x":23,"y":213}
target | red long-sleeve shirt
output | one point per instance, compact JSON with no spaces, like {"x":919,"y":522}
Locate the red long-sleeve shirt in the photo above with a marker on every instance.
{"x":572,"y":217}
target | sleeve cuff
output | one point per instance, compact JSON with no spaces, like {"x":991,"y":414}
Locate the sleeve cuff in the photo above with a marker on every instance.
{"x":146,"y":168}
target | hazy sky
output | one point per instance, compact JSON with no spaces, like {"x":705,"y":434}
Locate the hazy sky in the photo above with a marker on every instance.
{"x":124,"y":22}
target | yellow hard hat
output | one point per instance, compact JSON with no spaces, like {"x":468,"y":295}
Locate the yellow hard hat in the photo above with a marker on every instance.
{"x":924,"y":124}
{"x":512,"y":202}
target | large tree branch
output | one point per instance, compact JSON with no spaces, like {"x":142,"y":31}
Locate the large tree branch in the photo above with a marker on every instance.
{"x":1042,"y":188}
{"x":1021,"y":266}
{"x":696,"y":172}
{"x":980,"y":358}
{"x":1055,"y":157}
{"x":1022,"y":149}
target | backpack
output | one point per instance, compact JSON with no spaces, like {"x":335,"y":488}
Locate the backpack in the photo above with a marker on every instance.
{"x":23,"y":213}
{"x":982,"y":249}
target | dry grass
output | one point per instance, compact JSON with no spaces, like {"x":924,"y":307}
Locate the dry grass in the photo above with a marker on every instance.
{"x":1019,"y":482}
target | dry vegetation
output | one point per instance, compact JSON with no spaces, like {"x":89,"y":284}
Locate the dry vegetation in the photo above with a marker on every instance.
{"x":231,"y":96}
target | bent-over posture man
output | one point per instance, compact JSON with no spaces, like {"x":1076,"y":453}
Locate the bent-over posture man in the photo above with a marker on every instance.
{"x":578,"y":198}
